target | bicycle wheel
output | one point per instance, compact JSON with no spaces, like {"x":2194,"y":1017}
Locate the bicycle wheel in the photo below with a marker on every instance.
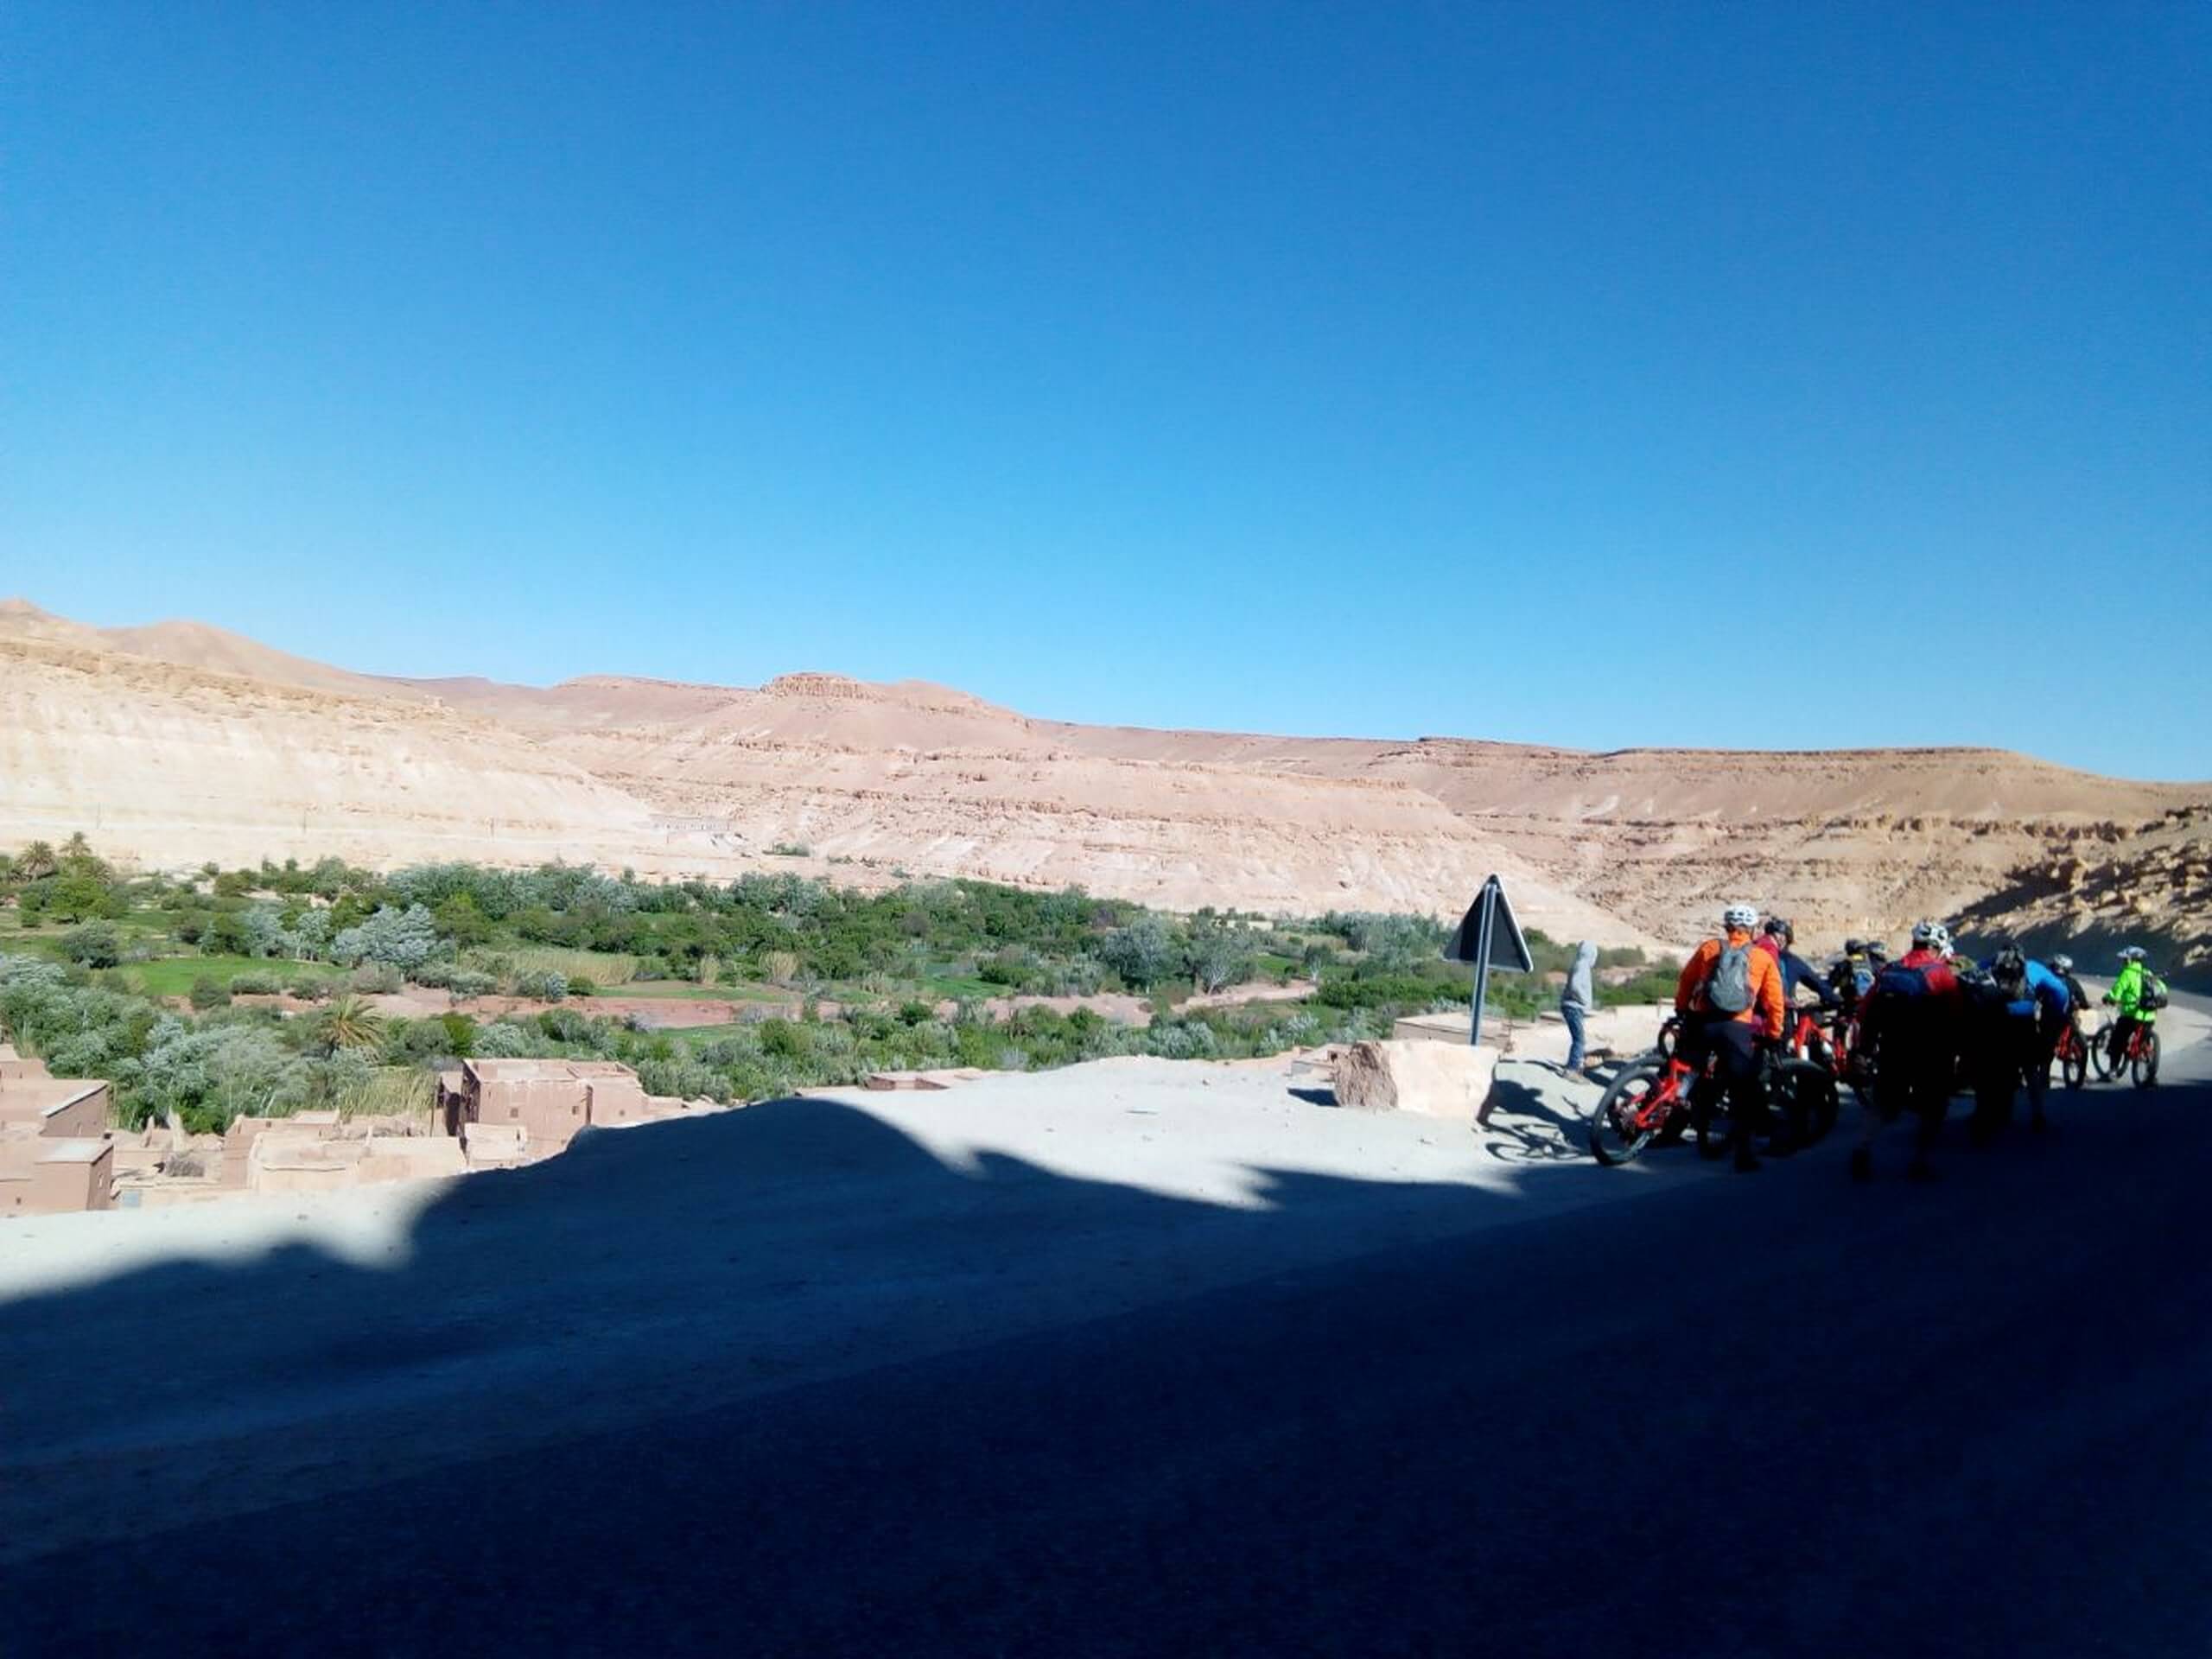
{"x":2074,"y":1063}
{"x":1617,"y":1135}
{"x":1803,"y":1097}
{"x":2142,"y":1063}
{"x":2101,"y":1051}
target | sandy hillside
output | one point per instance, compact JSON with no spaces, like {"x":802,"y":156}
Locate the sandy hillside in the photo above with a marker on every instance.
{"x":179,"y":742}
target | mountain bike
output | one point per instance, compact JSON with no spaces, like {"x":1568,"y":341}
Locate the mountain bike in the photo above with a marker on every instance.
{"x":2139,"y":1061}
{"x":1822,"y":1036}
{"x":2072,"y":1054}
{"x":1650,"y":1095}
{"x":1650,"y":1100}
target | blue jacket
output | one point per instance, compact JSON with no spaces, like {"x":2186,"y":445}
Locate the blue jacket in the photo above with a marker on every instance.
{"x":2044,"y":987}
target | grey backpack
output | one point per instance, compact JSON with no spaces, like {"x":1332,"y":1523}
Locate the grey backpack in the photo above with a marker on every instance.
{"x":1728,"y":987}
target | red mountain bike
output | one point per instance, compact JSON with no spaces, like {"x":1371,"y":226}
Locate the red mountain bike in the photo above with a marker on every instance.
{"x":1650,"y":1100}
{"x":2139,"y":1061}
{"x":2072,"y":1055}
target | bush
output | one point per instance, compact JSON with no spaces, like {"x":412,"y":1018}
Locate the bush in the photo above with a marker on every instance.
{"x":95,"y":944}
{"x":376,"y":979}
{"x":207,"y":994}
{"x":255,"y":985}
{"x":502,"y":1041}
{"x":545,"y":986}
{"x":403,"y":940}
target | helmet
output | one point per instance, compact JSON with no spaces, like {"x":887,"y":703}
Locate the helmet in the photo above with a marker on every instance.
{"x":1779,"y":927}
{"x":2134,"y":953}
{"x":2061,"y":963}
{"x":1854,"y":947}
{"x":1934,"y":935}
{"x":1877,"y":951}
{"x":1741,"y":916}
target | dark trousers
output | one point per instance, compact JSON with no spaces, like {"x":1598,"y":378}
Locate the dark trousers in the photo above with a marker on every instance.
{"x":1734,"y":1047}
{"x":2010,"y":1050}
{"x":2123,"y":1028}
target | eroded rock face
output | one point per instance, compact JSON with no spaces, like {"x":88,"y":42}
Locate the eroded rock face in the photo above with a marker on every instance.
{"x":179,"y":743}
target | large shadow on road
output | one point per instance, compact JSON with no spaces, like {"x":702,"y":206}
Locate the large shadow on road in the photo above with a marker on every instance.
{"x":784,"y":1381}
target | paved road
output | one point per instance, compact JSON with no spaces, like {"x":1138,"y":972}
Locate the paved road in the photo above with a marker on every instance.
{"x":1771,"y":1415}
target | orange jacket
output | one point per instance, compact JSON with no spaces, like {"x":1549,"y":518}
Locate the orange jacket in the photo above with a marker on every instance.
{"x":1766,"y":1009}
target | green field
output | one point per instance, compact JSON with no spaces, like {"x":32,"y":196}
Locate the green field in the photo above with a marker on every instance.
{"x":175,"y":976}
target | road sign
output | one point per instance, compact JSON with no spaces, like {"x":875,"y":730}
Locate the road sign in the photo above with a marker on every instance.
{"x":1488,"y":937}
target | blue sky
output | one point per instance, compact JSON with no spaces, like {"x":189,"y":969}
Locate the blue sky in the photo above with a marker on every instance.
{"x":1777,"y":376}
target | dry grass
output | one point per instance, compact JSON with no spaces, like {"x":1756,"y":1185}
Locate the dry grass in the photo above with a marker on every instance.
{"x":602,"y":968}
{"x":393,"y":1092}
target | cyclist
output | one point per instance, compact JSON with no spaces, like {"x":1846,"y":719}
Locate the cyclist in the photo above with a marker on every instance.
{"x":1730,"y":998}
{"x":2015,"y":1039}
{"x":1910,"y":1025}
{"x":2129,"y":993}
{"x":1777,"y":941}
{"x":1851,"y":975}
{"x":2077,"y":999}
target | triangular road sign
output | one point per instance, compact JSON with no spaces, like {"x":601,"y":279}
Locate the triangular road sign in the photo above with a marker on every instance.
{"x":1507,"y":950}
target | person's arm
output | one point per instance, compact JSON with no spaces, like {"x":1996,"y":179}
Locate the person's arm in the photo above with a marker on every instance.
{"x":1693,"y":975}
{"x":1771,"y":1003}
{"x":1802,"y":974}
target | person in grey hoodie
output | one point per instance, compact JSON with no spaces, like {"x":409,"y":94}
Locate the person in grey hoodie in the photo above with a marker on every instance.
{"x":1578,"y":1002}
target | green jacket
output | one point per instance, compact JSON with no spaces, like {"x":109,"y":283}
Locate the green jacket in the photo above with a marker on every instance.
{"x":2127,"y":992}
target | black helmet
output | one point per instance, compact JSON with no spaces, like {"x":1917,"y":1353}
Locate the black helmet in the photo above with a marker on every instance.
{"x":1854,"y":947}
{"x":1780,"y":925}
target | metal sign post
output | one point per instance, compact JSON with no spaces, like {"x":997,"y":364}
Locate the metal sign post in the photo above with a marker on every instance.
{"x":1488,"y":937}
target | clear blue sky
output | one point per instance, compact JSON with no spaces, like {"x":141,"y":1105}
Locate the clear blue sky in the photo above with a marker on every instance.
{"x":1783,"y":375}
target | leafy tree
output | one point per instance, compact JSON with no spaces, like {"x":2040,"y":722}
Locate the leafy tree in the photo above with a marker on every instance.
{"x":79,"y":897}
{"x":1219,"y":958}
{"x":402,"y":939}
{"x":1142,"y":953}
{"x":37,"y":862}
{"x":460,"y":920}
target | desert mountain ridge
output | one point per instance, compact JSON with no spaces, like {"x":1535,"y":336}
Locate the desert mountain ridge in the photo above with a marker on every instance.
{"x":179,"y":741}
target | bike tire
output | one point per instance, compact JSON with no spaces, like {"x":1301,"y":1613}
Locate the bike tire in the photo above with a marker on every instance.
{"x":2142,"y":1065}
{"x":1804,"y":1096}
{"x":2101,"y":1051}
{"x":1612,"y":1142}
{"x":2074,"y":1066}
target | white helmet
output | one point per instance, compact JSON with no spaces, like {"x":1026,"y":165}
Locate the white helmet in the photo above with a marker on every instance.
{"x":1742,"y":916}
{"x":2134,"y":953}
{"x":2061,"y":963}
{"x":1934,"y":935}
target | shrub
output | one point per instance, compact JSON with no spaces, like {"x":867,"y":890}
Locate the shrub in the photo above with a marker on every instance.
{"x":95,"y":944}
{"x":255,"y":985}
{"x":207,"y":994}
{"x":545,"y":987}
{"x":502,"y":1041}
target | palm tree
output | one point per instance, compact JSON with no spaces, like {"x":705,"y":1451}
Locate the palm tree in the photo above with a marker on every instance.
{"x":36,"y":862}
{"x":78,"y":859}
{"x":349,"y":1022}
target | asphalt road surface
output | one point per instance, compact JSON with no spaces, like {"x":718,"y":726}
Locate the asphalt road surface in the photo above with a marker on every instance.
{"x":1767,"y":1414}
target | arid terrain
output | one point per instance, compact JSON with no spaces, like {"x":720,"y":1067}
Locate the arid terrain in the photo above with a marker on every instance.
{"x":179,"y":742}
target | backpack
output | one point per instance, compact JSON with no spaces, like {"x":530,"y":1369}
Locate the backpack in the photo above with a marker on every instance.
{"x":2152,"y":995}
{"x":2010,"y":971}
{"x":1728,"y":987}
{"x":1898,"y":983}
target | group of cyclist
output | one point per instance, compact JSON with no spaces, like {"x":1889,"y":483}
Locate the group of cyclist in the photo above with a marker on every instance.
{"x":1921,"y":1025}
